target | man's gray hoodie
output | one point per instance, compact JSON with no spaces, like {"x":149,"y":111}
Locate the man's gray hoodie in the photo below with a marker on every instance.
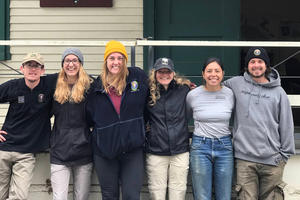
{"x":263,"y":130}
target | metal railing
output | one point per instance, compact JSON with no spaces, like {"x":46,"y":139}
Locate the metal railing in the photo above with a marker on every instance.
{"x":151,"y":44}
{"x":294,"y":99}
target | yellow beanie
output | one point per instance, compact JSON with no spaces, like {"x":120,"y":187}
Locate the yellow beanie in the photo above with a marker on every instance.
{"x":115,"y":46}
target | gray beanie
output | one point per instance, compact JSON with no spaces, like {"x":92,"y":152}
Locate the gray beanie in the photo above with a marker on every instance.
{"x":73,"y":51}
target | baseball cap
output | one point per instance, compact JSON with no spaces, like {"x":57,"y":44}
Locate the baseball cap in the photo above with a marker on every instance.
{"x":33,"y":57}
{"x":163,"y":63}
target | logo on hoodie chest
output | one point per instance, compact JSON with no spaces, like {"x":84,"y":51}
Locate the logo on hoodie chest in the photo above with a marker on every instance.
{"x":255,"y":94}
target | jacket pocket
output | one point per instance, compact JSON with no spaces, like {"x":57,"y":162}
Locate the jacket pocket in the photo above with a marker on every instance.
{"x":107,"y":141}
{"x":70,"y":144}
{"x":120,"y":137}
{"x":82,"y":145}
{"x":134,"y":133}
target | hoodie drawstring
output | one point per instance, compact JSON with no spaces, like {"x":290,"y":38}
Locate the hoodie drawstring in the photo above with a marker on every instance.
{"x":249,"y":100}
{"x":259,"y":94}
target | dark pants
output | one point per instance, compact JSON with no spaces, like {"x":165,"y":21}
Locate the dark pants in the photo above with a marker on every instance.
{"x":126,"y":170}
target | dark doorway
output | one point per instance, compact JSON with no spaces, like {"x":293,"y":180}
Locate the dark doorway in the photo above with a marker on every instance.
{"x":193,"y":20}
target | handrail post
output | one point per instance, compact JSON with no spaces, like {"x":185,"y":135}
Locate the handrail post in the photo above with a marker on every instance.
{"x":150,"y":56}
{"x":132,"y":48}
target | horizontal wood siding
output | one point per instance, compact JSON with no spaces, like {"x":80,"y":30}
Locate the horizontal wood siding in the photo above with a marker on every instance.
{"x":28,"y":21}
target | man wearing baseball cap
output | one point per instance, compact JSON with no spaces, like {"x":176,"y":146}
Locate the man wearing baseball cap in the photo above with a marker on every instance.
{"x":26,"y":129}
{"x":263,"y":131}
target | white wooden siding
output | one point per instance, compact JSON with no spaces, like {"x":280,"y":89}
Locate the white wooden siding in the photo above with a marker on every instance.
{"x":28,"y":21}
{"x":124,"y":22}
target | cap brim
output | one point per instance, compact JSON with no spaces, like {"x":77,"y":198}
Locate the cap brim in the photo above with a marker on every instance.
{"x":32,"y":59}
{"x":163,"y":67}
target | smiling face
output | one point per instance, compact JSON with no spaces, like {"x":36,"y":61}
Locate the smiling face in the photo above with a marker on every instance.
{"x":213,"y":75}
{"x":257,"y":68}
{"x":114,"y":63}
{"x":32,"y":71}
{"x":164,"y":77}
{"x":71,"y":66}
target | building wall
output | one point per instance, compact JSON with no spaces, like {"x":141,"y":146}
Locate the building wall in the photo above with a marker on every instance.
{"x":124,"y":22}
{"x":41,"y":189}
{"x":28,"y":21}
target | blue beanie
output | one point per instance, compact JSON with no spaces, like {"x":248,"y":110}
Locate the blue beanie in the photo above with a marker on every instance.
{"x":73,"y":51}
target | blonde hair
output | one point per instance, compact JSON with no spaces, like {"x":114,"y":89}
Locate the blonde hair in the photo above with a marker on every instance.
{"x":118,"y":81}
{"x":154,"y":86}
{"x":64,"y":93}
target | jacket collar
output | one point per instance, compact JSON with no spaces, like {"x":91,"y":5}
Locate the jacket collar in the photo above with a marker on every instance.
{"x":171,"y":86}
{"x":99,"y":87}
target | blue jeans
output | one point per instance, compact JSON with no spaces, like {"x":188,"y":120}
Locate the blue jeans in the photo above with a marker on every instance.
{"x":211,"y":163}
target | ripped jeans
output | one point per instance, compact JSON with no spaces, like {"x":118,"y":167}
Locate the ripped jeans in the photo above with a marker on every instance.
{"x":259,"y":181}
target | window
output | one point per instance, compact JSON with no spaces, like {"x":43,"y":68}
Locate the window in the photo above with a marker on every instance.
{"x":4,"y":28}
{"x":76,"y":3}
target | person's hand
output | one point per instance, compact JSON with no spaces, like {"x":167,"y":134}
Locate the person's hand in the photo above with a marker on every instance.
{"x":148,"y":128}
{"x":2,"y":138}
{"x":193,"y":85}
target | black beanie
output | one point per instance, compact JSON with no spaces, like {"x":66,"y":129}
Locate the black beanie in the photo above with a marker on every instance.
{"x":257,"y":52}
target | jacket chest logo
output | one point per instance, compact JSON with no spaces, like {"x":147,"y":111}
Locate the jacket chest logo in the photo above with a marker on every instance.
{"x":41,"y":98}
{"x":134,"y":86}
{"x":21,"y":99}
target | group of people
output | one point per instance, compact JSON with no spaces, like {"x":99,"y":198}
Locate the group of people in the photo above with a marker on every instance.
{"x":125,"y":119}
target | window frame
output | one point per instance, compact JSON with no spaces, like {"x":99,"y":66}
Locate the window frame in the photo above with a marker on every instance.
{"x":4,"y":28}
